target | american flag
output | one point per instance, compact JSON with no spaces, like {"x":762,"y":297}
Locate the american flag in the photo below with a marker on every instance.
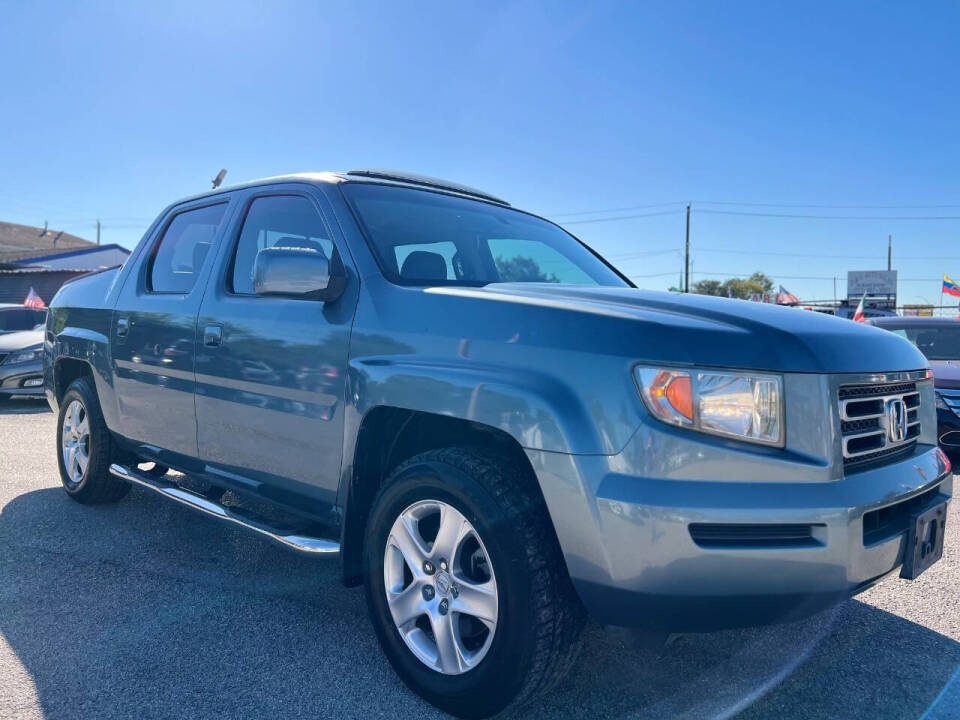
{"x":34,"y":301}
{"x":785,"y":297}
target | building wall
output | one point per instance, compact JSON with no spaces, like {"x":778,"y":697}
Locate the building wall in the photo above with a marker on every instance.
{"x":15,"y":284}
{"x":86,"y":259}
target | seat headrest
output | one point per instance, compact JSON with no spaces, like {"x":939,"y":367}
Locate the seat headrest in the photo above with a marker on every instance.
{"x":200,"y":251}
{"x":423,"y":265}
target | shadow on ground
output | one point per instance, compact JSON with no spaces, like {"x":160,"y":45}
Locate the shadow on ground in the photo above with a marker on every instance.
{"x":144,"y":609}
{"x":23,"y":406}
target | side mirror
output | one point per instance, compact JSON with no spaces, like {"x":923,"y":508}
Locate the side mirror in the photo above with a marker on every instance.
{"x":295,"y":272}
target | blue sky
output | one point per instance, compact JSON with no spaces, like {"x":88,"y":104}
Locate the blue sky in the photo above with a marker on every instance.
{"x":112,"y":110}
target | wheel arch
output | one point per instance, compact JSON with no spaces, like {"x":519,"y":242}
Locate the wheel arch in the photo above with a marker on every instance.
{"x":389,"y":435}
{"x":65,"y":371}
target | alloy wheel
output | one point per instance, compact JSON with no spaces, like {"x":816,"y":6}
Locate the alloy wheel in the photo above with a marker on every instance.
{"x":440,"y":586}
{"x":75,"y":442}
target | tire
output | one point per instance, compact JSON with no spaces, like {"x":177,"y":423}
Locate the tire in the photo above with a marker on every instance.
{"x":80,"y":427}
{"x":538,"y":617}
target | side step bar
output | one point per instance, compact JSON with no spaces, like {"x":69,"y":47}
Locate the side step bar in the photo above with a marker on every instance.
{"x":300,"y":543}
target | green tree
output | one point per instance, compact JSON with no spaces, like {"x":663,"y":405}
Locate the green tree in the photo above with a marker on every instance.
{"x":522,"y":269}
{"x":741,"y":288}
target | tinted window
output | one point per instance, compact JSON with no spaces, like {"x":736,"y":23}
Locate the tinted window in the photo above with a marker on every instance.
{"x":533,"y":261}
{"x":447,"y":250}
{"x":422,"y":237}
{"x":14,"y":319}
{"x":281,"y":220}
{"x":184,"y":248}
{"x":936,"y":342}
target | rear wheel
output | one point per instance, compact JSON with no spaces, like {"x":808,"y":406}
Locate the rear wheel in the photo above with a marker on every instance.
{"x":466,"y":584}
{"x":85,"y":447}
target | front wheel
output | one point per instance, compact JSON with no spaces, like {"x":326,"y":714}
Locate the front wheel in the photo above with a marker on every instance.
{"x":85,"y":447}
{"x":466,"y":584}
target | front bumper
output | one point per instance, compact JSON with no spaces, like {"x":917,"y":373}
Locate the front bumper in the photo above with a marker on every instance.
{"x":22,"y":379}
{"x":628,"y":545}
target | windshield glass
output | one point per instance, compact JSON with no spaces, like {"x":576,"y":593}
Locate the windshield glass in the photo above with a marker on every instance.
{"x":936,"y":342}
{"x":421,"y":237}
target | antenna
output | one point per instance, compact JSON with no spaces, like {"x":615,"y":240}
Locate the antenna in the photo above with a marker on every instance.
{"x":219,"y":178}
{"x":45,"y":226}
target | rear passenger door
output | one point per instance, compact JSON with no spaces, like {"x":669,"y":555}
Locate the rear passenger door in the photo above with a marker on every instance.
{"x":271,"y":370}
{"x":153,"y":333}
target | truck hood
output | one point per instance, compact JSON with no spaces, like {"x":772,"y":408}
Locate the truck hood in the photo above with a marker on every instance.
{"x":702,"y":330}
{"x":11,"y":342}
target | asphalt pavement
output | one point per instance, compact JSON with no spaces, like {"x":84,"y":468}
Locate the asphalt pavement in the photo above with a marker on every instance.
{"x":146,"y":609}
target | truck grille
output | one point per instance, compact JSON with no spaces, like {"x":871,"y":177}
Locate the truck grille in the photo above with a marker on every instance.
{"x":878,"y":421}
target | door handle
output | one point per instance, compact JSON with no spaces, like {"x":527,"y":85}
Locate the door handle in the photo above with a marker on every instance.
{"x":213,"y":335}
{"x":123,"y":327}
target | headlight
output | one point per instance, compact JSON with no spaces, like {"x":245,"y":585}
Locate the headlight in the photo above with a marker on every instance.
{"x":25,"y":356}
{"x":746,"y":406}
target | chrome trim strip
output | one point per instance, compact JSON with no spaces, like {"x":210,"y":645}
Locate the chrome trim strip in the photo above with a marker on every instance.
{"x":300,"y":543}
{"x":847,"y":455}
{"x":882,"y":431}
{"x":872,"y":398}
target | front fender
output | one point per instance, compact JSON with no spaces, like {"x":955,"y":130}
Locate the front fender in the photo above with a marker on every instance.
{"x":540,"y":412}
{"x":85,"y":345}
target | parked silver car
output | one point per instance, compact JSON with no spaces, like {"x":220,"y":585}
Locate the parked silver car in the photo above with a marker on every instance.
{"x":21,"y":364}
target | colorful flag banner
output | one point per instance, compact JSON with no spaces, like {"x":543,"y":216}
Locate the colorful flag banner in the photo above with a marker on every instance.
{"x":34,"y":301}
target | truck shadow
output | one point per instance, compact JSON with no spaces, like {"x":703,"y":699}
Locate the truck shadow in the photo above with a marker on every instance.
{"x":145,"y":609}
{"x":23,"y":406}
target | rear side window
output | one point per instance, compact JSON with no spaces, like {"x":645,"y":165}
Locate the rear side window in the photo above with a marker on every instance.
{"x":183,"y":249}
{"x":277,"y":221}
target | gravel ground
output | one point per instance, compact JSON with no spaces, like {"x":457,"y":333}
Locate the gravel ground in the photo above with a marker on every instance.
{"x":146,"y":609}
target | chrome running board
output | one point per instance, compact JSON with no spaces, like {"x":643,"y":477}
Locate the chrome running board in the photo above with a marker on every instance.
{"x":300,"y":543}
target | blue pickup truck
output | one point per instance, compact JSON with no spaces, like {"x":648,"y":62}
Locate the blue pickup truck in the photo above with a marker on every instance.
{"x":491,"y":427}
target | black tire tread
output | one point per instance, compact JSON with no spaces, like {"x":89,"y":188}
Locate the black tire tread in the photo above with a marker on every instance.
{"x":558,"y":614}
{"x":99,"y":487}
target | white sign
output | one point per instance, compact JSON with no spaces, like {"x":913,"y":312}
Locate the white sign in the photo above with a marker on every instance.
{"x":871,"y":282}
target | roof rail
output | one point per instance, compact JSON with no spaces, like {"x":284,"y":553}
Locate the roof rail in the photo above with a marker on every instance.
{"x":426,"y":181}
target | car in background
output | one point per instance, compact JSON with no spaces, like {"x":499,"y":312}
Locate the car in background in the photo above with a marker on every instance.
{"x":21,"y":364}
{"x":939,"y":340}
{"x":15,"y":318}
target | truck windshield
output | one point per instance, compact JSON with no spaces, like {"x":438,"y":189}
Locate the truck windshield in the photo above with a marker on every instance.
{"x":427,"y":238}
{"x":936,"y":342}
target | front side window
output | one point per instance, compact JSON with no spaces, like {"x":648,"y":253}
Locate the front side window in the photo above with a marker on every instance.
{"x":421,"y":237}
{"x":276,"y":221}
{"x":183,"y":249}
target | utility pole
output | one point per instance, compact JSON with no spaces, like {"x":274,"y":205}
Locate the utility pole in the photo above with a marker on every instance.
{"x":98,"y":232}
{"x":686,"y":257}
{"x":889,"y":252}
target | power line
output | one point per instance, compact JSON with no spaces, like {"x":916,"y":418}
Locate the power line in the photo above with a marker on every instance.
{"x":829,"y":217}
{"x":824,"y":255}
{"x":610,"y":210}
{"x":798,"y":277}
{"x":826,"y":207}
{"x":651,"y":275}
{"x":734,"y":203}
{"x":638,"y":255}
{"x":620,"y":217}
